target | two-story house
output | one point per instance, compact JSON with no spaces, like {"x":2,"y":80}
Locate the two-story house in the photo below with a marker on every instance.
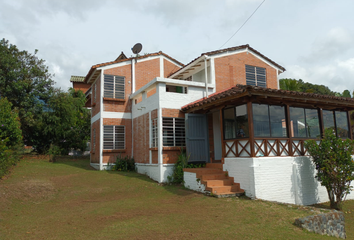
{"x":225,"y":108}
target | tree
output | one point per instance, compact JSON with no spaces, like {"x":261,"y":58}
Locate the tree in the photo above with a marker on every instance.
{"x":27,"y":84}
{"x":289,"y":84}
{"x":334,"y":165}
{"x":346,"y":94}
{"x":65,"y":123}
{"x":10,"y":136}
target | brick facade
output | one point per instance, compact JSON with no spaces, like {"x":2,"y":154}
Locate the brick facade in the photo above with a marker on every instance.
{"x":81,"y":86}
{"x":230,"y":70}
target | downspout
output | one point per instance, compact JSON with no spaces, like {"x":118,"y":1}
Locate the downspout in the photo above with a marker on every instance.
{"x":133,"y":101}
{"x":206,"y":75}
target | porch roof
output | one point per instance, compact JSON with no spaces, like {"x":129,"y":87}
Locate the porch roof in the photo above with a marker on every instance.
{"x":243,"y":93}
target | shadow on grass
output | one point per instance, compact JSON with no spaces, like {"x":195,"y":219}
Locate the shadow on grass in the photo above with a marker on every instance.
{"x":173,"y":188}
{"x":82,"y":162}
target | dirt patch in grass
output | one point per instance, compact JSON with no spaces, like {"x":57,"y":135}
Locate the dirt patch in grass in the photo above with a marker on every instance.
{"x":35,"y":191}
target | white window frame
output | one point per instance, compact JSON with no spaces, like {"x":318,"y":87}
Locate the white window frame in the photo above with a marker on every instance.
{"x":257,"y":73}
{"x":114,"y":87}
{"x":113,"y":135}
{"x":154,"y":133}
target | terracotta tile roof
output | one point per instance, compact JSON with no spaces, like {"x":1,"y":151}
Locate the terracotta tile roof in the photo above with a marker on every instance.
{"x":128,"y":59}
{"x":229,"y":50}
{"x":77,"y":79}
{"x":239,"y":91}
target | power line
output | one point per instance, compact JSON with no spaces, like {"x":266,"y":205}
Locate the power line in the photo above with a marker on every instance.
{"x":243,"y":24}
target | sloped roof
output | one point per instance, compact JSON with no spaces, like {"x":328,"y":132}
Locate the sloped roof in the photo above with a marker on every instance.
{"x":270,"y":95}
{"x":94,"y":67}
{"x":246,"y":46}
{"x":77,"y":79}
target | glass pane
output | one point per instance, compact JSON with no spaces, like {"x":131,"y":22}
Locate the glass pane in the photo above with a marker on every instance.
{"x":312,"y":123}
{"x":297,"y":122}
{"x":261,"y":120}
{"x":328,"y":119}
{"x":277,"y":121}
{"x":242,"y":121}
{"x":229,"y":123}
{"x":342,"y":124}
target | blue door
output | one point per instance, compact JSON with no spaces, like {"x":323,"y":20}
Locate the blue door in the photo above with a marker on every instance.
{"x":197,"y":141}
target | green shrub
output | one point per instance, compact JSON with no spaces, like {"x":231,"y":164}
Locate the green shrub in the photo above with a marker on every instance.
{"x":334,"y":165}
{"x":125,"y":164}
{"x":182,"y":162}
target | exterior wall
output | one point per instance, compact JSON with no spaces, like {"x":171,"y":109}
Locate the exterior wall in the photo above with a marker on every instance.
{"x":111,"y":155}
{"x":281,"y":179}
{"x":81,"y":86}
{"x":95,"y":152}
{"x":153,"y":171}
{"x":146,"y":71}
{"x":190,"y":182}
{"x":169,"y":68}
{"x":230,"y":70}
{"x":95,"y":104}
{"x":120,"y":105}
{"x":141,"y":138}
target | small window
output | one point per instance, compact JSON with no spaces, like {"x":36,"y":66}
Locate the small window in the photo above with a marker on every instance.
{"x":173,"y":132}
{"x":154,"y":133}
{"x":114,"y":87}
{"x":256,"y":76}
{"x":176,"y":89}
{"x":113,"y":137}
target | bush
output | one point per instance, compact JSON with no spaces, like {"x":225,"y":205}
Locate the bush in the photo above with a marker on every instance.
{"x":334,"y":165}
{"x":182,"y":162}
{"x":125,"y":164}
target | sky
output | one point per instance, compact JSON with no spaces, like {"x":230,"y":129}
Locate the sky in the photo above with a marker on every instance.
{"x":312,"y":39}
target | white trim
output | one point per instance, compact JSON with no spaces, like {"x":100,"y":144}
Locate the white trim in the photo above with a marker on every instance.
{"x":175,"y":82}
{"x":278,"y":78}
{"x":114,"y":65}
{"x":133,"y":75}
{"x":96,"y":117}
{"x":124,"y":115}
{"x":162,"y":70}
{"x":206,"y":76}
{"x":101,"y":123}
{"x":212,"y":72}
{"x":150,"y":138}
{"x":177,"y":64}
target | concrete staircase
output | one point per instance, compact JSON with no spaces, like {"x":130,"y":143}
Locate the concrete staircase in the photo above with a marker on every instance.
{"x":217,"y":182}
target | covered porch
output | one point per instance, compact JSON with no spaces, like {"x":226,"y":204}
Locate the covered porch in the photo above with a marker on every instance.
{"x":261,"y":132}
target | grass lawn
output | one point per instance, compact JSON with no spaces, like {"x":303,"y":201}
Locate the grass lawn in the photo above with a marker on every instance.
{"x":70,"y":200}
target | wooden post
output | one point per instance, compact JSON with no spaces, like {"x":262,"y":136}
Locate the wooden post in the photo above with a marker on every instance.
{"x":321,"y":122}
{"x":250,"y":128}
{"x":350,"y":134}
{"x":223,"y":153}
{"x":288,"y":130}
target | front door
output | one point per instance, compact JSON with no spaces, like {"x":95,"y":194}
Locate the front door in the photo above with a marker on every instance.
{"x":197,"y":142}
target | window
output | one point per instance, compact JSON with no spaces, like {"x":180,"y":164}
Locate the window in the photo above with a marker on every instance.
{"x":176,"y":89}
{"x":256,"y":76}
{"x":336,"y":120}
{"x":154,"y":133}
{"x":236,"y":122}
{"x":269,"y":120}
{"x":114,"y":86}
{"x":113,"y":137}
{"x":173,"y":132}
{"x":304,"y":122}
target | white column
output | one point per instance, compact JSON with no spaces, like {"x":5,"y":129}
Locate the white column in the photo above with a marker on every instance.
{"x":101,"y":120}
{"x":206,"y":76}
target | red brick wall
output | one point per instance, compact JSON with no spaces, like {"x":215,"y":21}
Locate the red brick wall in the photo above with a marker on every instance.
{"x":230,"y":70}
{"x":96,"y":104}
{"x":166,"y":112}
{"x":111,"y":157}
{"x":95,"y":150}
{"x":141,"y":139}
{"x":145,"y":72}
{"x":81,"y":86}
{"x":169,"y":68}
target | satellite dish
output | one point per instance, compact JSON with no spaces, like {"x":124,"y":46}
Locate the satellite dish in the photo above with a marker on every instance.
{"x":137,"y":48}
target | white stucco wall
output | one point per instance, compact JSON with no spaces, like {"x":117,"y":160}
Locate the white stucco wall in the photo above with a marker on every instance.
{"x":153,"y":172}
{"x":190,"y":182}
{"x":281,"y":179}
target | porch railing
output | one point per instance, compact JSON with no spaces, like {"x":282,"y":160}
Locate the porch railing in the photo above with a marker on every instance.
{"x":264,"y":147}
